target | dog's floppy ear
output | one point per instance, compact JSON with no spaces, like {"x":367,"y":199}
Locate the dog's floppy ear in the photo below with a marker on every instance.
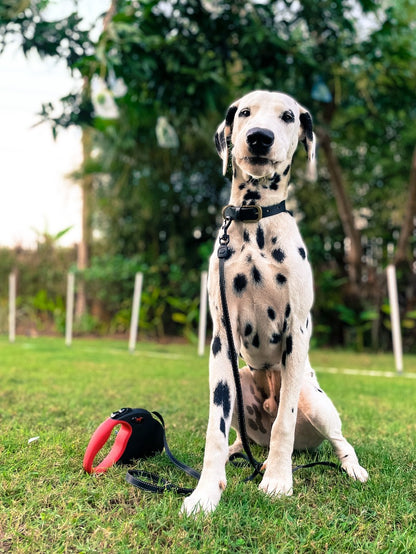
{"x":223,"y":135}
{"x":307,"y":138}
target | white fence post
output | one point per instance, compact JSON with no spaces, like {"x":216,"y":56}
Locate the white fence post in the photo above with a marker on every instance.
{"x":202,"y":314}
{"x":12,"y":307}
{"x":70,"y":291}
{"x":395,"y":317}
{"x":134,"y":323}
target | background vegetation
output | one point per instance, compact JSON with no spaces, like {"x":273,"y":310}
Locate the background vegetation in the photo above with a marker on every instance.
{"x":156,"y":83}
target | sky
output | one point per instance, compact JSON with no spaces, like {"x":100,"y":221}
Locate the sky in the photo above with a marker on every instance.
{"x":36,"y":194}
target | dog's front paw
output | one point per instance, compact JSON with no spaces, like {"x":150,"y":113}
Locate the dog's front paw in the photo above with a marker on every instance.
{"x":204,"y":499}
{"x":354,"y":470}
{"x":277,"y":486}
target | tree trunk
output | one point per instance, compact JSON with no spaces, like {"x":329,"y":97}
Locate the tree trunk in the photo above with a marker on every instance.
{"x":345,"y":211}
{"x":402,"y":253}
{"x":84,"y":245}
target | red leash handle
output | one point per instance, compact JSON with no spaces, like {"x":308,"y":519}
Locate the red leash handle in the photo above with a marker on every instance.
{"x":98,"y":440}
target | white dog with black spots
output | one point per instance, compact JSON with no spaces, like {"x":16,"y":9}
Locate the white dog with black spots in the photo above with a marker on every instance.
{"x":269,"y":291}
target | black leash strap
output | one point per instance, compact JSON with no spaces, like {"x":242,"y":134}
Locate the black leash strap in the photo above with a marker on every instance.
{"x":222,"y":256}
{"x":151,"y":482}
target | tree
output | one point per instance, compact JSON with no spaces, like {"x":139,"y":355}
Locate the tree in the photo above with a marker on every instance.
{"x":173,"y":68}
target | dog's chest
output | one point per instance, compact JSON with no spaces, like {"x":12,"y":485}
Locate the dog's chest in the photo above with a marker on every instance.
{"x":268,"y":283}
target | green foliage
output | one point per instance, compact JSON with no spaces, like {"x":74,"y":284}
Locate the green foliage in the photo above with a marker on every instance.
{"x":176,"y":66}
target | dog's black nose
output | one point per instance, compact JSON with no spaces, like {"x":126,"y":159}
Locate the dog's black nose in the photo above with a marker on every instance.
{"x":259,"y":140}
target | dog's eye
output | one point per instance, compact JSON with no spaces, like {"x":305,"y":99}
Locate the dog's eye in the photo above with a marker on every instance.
{"x":244,"y":113}
{"x":288,"y":117}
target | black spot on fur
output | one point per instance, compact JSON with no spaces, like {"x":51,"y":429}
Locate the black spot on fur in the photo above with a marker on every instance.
{"x":248,"y":330}
{"x":287,"y":311}
{"x":256,"y":275}
{"x":286,"y":171}
{"x":216,"y":345}
{"x":274,"y":240}
{"x":250,"y":410}
{"x":222,"y":397}
{"x":240,"y":283}
{"x":275,"y":338}
{"x":229,"y":118}
{"x":271,"y":313}
{"x":284,"y":359}
{"x":252,"y":195}
{"x":222,"y":426}
{"x":246,"y":236}
{"x":242,"y":186}
{"x":302,"y":253}
{"x":278,"y":255}
{"x":281,"y":279}
{"x":260,"y":237}
{"x":306,"y":122}
{"x":289,"y":345}
{"x":256,"y":341}
{"x":253,"y":425}
{"x":274,"y":185}
{"x":259,"y":419}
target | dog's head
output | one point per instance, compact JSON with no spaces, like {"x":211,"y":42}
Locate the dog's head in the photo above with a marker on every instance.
{"x":264,"y":129}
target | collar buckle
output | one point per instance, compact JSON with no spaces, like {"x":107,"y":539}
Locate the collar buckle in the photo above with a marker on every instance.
{"x":258,"y":216}
{"x":246,"y":214}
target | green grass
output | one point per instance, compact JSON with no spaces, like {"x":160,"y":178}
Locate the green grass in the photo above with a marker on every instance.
{"x":48,"y":504}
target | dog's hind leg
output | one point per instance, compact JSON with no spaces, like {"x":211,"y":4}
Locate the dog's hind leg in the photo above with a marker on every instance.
{"x":319,"y":410}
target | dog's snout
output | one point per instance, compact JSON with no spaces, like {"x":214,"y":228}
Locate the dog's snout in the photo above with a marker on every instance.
{"x":259,"y":140}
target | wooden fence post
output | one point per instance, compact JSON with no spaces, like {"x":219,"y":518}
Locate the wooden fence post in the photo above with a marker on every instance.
{"x":12,"y":307}
{"x":70,"y":290}
{"x":203,"y":314}
{"x":395,"y":317}
{"x":135,"y":312}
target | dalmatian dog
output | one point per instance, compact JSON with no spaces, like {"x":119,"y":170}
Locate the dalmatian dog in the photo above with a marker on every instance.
{"x":269,"y":291}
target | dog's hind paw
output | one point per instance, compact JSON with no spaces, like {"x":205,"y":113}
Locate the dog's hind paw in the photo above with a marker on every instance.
{"x":276,"y":487}
{"x":354,"y":470}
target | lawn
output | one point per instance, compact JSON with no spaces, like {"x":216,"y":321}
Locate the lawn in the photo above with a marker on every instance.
{"x":61,"y":394}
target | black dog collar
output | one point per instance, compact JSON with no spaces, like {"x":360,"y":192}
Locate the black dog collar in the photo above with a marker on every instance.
{"x":251,"y":214}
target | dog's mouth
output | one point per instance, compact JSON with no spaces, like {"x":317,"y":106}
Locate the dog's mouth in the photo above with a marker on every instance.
{"x":258,"y":160}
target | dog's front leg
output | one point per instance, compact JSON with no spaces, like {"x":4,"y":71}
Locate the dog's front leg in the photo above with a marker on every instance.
{"x":222,"y":394}
{"x":278,"y":479}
